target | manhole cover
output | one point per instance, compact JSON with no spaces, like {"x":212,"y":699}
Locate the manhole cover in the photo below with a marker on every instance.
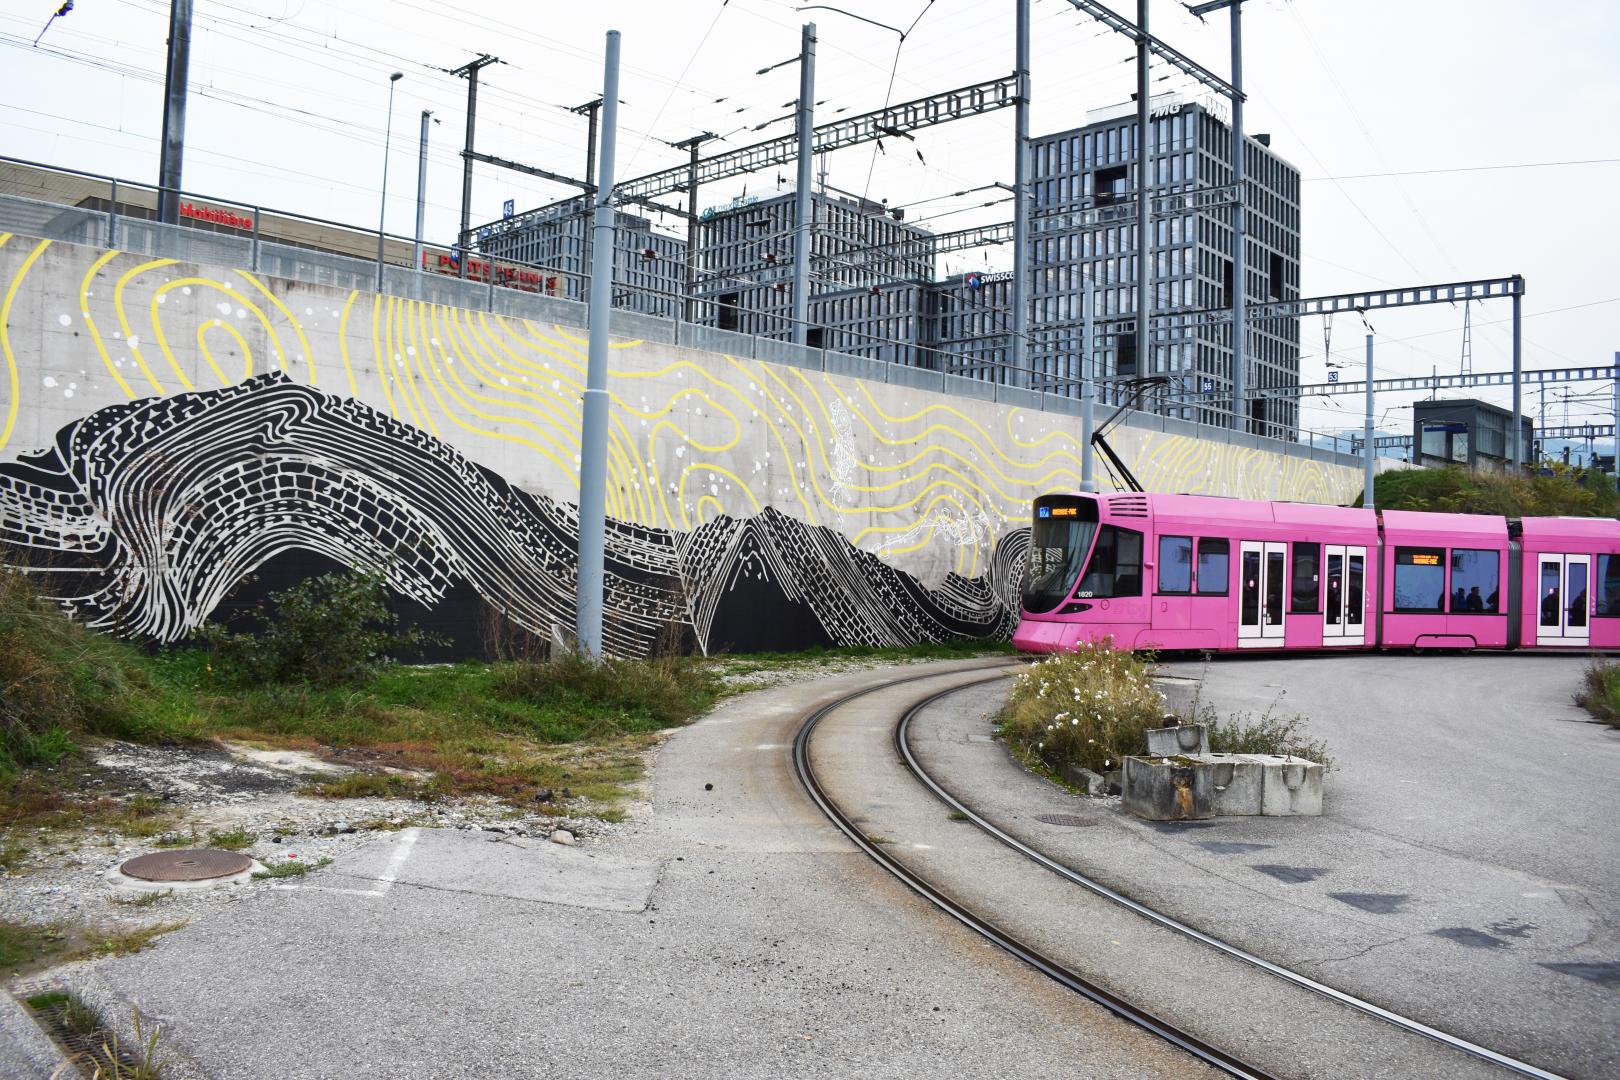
{"x":1066,"y":819}
{"x":194,"y":864}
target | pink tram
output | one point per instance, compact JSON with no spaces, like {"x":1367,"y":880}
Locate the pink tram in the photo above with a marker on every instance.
{"x":1172,"y":572}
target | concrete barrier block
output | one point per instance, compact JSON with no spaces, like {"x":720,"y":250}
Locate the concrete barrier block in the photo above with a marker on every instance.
{"x":1168,"y":789}
{"x":1188,"y":739}
{"x":1086,"y":780}
{"x":1293,"y":786}
{"x":1238,"y":782}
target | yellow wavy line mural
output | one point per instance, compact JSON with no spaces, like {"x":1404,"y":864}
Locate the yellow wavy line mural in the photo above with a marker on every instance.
{"x":928,"y":480}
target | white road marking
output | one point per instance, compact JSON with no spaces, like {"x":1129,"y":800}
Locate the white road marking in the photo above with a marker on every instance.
{"x":407,"y":841}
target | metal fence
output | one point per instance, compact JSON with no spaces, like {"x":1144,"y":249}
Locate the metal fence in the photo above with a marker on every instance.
{"x":106,"y":212}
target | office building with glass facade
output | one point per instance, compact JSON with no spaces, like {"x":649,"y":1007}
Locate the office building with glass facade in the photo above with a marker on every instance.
{"x":649,"y":272}
{"x":1084,"y":225}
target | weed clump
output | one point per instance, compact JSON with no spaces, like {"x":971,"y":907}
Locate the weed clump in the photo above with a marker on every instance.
{"x":1600,"y":692}
{"x":327,"y":631}
{"x":610,"y":696}
{"x":1088,"y":708}
{"x":58,"y":680}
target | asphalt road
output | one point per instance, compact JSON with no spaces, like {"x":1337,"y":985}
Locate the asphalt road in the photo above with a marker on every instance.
{"x":734,"y":934}
{"x":1462,"y":872}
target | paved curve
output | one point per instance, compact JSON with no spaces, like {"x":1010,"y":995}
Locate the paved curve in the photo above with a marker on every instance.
{"x":1463,"y":872}
{"x":735,"y":933}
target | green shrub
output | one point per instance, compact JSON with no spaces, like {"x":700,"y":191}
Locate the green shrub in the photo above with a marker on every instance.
{"x":58,"y":680}
{"x":1089,"y":708}
{"x":1457,"y":491}
{"x":331,"y":630}
{"x":1270,"y":734}
{"x":1600,"y":695}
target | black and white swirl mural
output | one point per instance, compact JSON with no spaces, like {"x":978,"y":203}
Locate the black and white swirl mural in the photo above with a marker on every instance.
{"x":147,"y":517}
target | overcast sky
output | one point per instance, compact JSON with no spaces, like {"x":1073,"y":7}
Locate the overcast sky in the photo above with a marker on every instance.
{"x":1423,"y":130}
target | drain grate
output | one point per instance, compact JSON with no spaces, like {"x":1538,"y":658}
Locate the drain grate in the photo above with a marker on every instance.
{"x":191,"y":864}
{"x":83,"y":1036}
{"x":1072,"y":820}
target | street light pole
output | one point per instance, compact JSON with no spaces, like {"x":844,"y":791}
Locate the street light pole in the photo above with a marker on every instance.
{"x":804,"y":206}
{"x":382,"y":212}
{"x":593,"y":434}
{"x":421,"y":189}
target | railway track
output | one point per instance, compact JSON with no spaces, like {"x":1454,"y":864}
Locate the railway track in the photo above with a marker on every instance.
{"x":1063,"y":971}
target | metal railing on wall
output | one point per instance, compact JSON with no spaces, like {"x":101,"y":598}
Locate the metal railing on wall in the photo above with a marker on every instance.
{"x":110,"y":213}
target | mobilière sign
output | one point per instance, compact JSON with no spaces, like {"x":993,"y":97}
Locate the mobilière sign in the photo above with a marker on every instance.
{"x":512,"y":277}
{"x":218,"y":217}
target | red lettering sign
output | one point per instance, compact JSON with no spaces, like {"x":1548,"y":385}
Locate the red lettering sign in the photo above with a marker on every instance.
{"x":228,"y":218}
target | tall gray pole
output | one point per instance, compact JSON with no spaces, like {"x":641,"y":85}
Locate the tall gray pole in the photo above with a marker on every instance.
{"x":1020,"y":275}
{"x":803,"y":226}
{"x":594,"y":424}
{"x":1144,"y":181}
{"x":1240,"y":253}
{"x":1367,"y":435}
{"x":382,"y":211}
{"x":1087,"y":389}
{"x":1616,"y":419}
{"x":469,"y":71}
{"x":173,"y":150}
{"x":421,"y":189}
{"x":1518,"y":378}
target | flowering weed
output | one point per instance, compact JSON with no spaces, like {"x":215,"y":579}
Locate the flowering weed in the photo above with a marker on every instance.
{"x":1090,"y":708}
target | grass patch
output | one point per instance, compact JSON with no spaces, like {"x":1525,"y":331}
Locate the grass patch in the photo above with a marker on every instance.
{"x":143,"y":899}
{"x":287,"y":868}
{"x":1600,"y":692}
{"x":122,"y":941}
{"x":535,"y":734}
{"x":235,"y":840}
{"x":1086,"y":708}
{"x":24,"y":946}
{"x":363,"y":786}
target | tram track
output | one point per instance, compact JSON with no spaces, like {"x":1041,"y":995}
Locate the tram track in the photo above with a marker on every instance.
{"x":1044,"y":961}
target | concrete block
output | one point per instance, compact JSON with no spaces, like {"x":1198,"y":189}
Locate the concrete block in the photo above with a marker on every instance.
{"x":1188,"y":740}
{"x":1292,"y":786}
{"x":1238,"y":781}
{"x":1086,"y":780}
{"x":1168,"y":789}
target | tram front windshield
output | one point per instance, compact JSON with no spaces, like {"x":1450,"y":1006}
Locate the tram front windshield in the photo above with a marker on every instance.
{"x":1059,"y":540}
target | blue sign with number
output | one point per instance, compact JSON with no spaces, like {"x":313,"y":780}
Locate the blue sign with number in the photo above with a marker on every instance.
{"x":508,"y":208}
{"x":1333,"y":376}
{"x":1045,"y":511}
{"x":1208,"y":386}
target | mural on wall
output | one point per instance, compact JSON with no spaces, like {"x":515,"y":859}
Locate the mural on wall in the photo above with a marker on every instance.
{"x":197,"y":422}
{"x":142,"y":517}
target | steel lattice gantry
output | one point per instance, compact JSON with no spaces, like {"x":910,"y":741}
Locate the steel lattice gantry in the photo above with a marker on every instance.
{"x":907,"y":116}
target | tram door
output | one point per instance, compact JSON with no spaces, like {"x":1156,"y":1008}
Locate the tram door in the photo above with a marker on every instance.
{"x":1344,"y":607}
{"x":1563,"y":602}
{"x":1260,"y":594}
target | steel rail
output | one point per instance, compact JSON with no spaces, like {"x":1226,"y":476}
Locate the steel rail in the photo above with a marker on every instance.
{"x":903,"y":748}
{"x":1164,"y":1029}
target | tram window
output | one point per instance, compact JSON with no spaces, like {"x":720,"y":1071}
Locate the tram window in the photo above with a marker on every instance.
{"x":1175,"y":564}
{"x":1608,"y":583}
{"x":1420,"y":579}
{"x":1214,"y":562}
{"x":1474,"y":582}
{"x":1306,"y":595}
{"x":1116,"y":564}
{"x":1549,"y":592}
{"x":1251,"y":588}
{"x":1353,"y":572}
